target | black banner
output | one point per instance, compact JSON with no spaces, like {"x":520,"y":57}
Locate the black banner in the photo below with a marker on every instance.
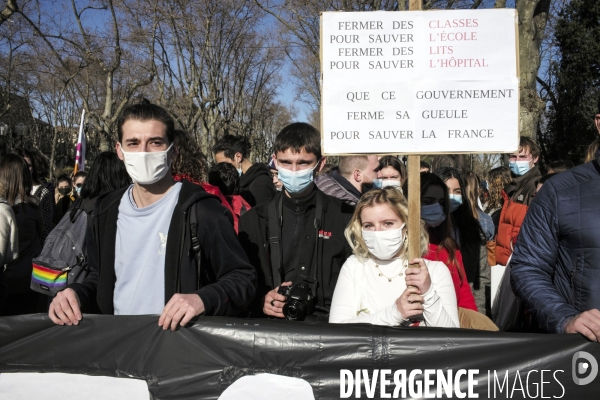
{"x":201,"y":361}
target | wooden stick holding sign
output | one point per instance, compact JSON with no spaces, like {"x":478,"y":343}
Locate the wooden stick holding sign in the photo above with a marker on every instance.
{"x":414,"y":195}
{"x":414,"y":189}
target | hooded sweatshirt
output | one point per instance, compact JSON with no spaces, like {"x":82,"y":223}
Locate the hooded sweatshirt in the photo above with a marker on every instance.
{"x":256,"y":185}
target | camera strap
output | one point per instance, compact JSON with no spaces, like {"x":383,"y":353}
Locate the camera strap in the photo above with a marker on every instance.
{"x":275,"y":212}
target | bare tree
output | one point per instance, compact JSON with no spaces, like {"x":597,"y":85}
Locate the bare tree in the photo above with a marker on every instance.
{"x":105,"y":56}
{"x":533,"y":17}
{"x":216,"y":73}
{"x":55,"y":100}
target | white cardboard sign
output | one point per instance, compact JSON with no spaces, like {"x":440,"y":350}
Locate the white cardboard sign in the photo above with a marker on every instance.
{"x":419,"y":82}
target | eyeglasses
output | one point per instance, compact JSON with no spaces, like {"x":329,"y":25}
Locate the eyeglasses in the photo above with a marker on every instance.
{"x":273,"y":174}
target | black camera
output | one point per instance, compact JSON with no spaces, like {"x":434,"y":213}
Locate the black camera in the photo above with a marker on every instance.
{"x":300,"y":301}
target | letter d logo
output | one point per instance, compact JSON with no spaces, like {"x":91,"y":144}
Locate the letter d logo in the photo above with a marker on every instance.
{"x":580,"y":368}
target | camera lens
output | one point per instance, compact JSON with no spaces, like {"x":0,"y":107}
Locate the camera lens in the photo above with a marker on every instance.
{"x":295,"y":310}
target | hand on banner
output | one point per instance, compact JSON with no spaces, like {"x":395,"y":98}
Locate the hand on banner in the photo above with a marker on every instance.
{"x":274,"y":302}
{"x":180,"y":310}
{"x":418,"y":277}
{"x":587,"y":323}
{"x":65,"y":308}
{"x":410,"y":303}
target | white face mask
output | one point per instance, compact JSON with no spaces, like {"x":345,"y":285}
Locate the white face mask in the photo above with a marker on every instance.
{"x":390,"y":182}
{"x":384,"y":244}
{"x":146,"y":168}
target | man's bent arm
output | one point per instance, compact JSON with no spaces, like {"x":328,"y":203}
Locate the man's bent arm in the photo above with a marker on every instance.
{"x":533,"y":263}
{"x":236,"y":278}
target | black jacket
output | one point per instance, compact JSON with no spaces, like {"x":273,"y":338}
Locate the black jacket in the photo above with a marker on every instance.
{"x":335,"y":250}
{"x":256,"y":185}
{"x":335,"y":185}
{"x":30,"y":226}
{"x":227,"y":282}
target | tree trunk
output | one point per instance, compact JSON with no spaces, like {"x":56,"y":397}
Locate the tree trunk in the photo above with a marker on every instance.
{"x":53,"y":151}
{"x":533,"y":16}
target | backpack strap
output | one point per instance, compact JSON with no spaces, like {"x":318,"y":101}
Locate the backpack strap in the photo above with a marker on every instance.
{"x":275,"y":211}
{"x":194,"y":238}
{"x":76,"y":210}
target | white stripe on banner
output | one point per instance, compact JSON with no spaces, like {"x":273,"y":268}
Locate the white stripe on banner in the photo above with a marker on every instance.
{"x":56,"y":386}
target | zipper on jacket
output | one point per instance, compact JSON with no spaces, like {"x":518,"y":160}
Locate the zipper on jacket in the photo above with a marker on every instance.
{"x":179,"y":255}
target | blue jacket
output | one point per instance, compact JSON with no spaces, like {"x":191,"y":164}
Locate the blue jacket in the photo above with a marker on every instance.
{"x":555,"y":267}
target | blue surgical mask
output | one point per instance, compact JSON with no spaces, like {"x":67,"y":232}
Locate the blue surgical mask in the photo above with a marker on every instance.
{"x":377,"y":184}
{"x":519,"y":167}
{"x":295,"y":181}
{"x":455,"y":201}
{"x":433,"y":215}
{"x":78,"y":190}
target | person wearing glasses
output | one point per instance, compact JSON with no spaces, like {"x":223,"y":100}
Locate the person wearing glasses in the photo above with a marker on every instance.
{"x":517,"y":195}
{"x":78,"y":181}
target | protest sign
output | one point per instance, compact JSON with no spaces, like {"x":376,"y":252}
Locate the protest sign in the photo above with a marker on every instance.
{"x":419,"y":82}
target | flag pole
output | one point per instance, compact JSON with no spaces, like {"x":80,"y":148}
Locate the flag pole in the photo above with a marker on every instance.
{"x":80,"y":149}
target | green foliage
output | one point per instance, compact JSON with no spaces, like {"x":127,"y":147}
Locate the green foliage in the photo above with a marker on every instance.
{"x":577,"y":88}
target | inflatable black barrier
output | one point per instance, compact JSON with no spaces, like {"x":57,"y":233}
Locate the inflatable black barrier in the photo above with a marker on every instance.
{"x":201,"y":361}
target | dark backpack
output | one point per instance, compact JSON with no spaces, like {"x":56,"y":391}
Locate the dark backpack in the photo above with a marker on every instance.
{"x":62,"y":260}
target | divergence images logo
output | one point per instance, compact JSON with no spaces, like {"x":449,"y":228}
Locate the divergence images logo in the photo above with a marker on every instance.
{"x":581,"y":367}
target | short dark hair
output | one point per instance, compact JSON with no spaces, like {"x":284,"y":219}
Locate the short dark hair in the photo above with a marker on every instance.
{"x":226,"y":177}
{"x":544,"y":178}
{"x":107,"y":173}
{"x":440,"y":161}
{"x":298,"y":136}
{"x":425,"y":164}
{"x":229,"y":145}
{"x":560,"y":165}
{"x":63,"y":178}
{"x":146,"y":111}
{"x":80,"y":174}
{"x":529,"y":143}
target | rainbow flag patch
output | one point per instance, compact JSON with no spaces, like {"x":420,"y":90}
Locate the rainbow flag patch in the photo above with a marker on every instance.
{"x":48,"y":278}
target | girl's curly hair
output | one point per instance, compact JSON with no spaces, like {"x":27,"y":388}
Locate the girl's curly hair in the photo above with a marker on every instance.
{"x":190,"y":161}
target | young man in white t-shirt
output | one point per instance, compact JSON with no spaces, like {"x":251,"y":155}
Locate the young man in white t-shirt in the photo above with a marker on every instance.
{"x":139,"y":241}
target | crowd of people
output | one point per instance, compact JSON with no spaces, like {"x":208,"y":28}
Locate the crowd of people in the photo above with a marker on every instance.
{"x":301,"y":239}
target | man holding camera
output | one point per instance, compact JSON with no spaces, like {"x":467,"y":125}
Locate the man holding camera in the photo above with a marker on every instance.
{"x":296,"y":241}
